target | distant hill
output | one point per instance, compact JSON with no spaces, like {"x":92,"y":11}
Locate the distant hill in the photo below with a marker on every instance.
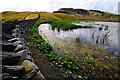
{"x":81,"y":12}
{"x":89,"y":15}
{"x":13,"y":15}
{"x":62,"y":13}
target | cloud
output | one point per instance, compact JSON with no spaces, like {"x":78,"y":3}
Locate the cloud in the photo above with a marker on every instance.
{"x":22,"y":5}
{"x":110,"y":6}
{"x":74,"y":4}
{"x":52,"y":5}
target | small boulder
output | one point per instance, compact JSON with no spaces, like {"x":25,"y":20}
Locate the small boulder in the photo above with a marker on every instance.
{"x":30,"y":69}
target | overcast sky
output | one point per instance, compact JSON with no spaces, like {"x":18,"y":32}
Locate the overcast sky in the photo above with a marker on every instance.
{"x":53,"y":5}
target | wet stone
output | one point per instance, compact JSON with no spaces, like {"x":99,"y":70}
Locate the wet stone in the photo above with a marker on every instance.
{"x":25,"y":51}
{"x":6,"y":36}
{"x":38,"y":76}
{"x":25,"y":56}
{"x":10,"y":58}
{"x":6,"y":76}
{"x":30,"y":69}
{"x":19,"y":48}
{"x":14,"y":39}
{"x":13,"y":70}
{"x":8,"y":47}
{"x":17,"y":42}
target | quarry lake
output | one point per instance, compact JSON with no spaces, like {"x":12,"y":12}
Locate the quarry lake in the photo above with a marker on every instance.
{"x":103,"y":35}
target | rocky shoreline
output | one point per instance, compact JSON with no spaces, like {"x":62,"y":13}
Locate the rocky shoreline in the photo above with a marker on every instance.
{"x":17,"y":61}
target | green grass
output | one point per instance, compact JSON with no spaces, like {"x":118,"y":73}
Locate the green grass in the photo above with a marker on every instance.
{"x":69,"y":63}
{"x":63,"y":62}
{"x":46,"y":48}
{"x":61,"y":24}
{"x":66,"y":25}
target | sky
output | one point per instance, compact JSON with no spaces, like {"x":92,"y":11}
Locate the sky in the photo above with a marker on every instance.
{"x":54,"y":5}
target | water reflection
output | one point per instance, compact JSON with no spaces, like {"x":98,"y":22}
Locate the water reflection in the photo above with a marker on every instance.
{"x":105,"y":34}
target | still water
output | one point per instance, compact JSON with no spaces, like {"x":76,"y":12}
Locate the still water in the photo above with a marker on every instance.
{"x":103,"y":35}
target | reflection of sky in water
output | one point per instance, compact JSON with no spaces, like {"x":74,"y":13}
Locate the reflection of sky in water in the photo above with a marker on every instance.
{"x":86,"y":33}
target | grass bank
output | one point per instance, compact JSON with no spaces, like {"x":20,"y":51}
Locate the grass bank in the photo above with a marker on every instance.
{"x":69,"y":64}
{"x":66,"y":25}
{"x":61,"y":24}
{"x":93,"y":64}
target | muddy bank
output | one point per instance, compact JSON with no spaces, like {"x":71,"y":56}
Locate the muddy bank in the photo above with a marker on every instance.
{"x":17,"y":60}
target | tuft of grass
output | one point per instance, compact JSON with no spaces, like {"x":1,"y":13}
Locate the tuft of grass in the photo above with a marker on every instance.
{"x":66,"y":25}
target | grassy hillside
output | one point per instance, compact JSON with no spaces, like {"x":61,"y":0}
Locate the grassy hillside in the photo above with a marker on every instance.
{"x":81,"y":12}
{"x":66,"y":16}
{"x":47,"y":15}
{"x":32,"y":16}
{"x":9,"y":16}
{"x":94,"y":16}
{"x":113,"y":18}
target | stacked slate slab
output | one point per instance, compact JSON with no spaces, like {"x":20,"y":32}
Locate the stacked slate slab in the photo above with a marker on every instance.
{"x":17,"y":61}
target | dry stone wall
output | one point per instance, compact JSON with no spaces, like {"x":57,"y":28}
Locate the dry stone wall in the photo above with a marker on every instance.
{"x":17,"y":61}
